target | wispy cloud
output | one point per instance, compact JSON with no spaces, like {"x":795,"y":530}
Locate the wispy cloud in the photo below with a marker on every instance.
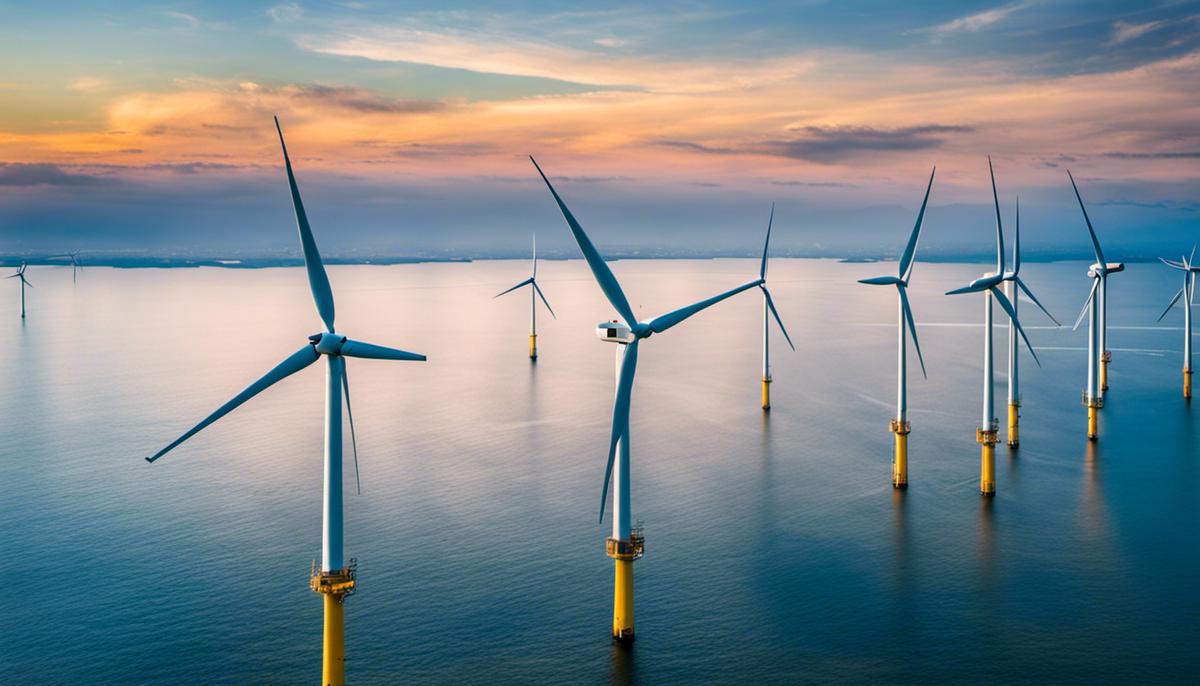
{"x":285,"y":13}
{"x":1123,"y":31}
{"x":973,"y":23}
{"x":88,"y":83}
{"x":17,"y":174}
{"x":184,"y":17}
{"x":832,"y":144}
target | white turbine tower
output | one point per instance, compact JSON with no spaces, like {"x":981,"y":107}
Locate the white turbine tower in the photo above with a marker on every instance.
{"x":20,"y":274}
{"x":1099,"y":271}
{"x":1014,"y":286}
{"x":1189,"y":268}
{"x":900,"y":426}
{"x":627,"y":542}
{"x":768,"y":311}
{"x":987,"y":434}
{"x":336,"y":579}
{"x":534,"y":294}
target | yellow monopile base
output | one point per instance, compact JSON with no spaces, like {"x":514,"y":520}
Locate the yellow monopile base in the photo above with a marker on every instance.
{"x":533,"y":346}
{"x":766,"y":394}
{"x":622,"y":627}
{"x":333,"y":669}
{"x":900,"y":454}
{"x":1187,"y":384}
{"x":1104,"y":370}
{"x":1092,"y":422}
{"x":987,"y":459}
{"x":1014,"y":420}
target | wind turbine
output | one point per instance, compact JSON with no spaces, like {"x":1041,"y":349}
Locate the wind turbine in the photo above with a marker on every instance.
{"x":335,"y":579}
{"x":534,"y":294}
{"x":900,"y":426}
{"x":74,"y":257}
{"x":627,"y":542}
{"x":20,"y":274}
{"x":1099,"y":271}
{"x":1013,"y":286}
{"x":768,"y":311}
{"x":1188,"y":293}
{"x":987,"y":434}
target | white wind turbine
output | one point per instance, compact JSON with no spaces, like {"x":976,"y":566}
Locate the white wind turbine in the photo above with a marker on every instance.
{"x":534,"y":294}
{"x":988,"y":432}
{"x":627,"y":542}
{"x":1099,"y":271}
{"x":1014,"y":286}
{"x":335,"y":579}
{"x":20,"y":274}
{"x":1189,"y":268}
{"x":900,"y":426}
{"x":768,"y":311}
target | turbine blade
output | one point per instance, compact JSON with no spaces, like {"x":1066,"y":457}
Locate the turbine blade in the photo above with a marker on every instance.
{"x":534,"y":256}
{"x":1095,"y":285}
{"x":510,"y":290}
{"x":294,"y":363}
{"x":1091,"y":231}
{"x":1192,"y":260}
{"x":912,"y":328}
{"x":882,"y":281}
{"x":544,"y":301}
{"x":352,"y":348}
{"x":999,"y":226}
{"x":353,"y":437}
{"x":665,"y":321}
{"x":1017,"y":242}
{"x":26,"y":281}
{"x":620,"y":420}
{"x":966,"y":289}
{"x":1025,"y":289}
{"x":910,"y":250}
{"x":762,"y":270}
{"x":1012,"y":314}
{"x":1178,"y":294}
{"x":604,"y":276}
{"x":318,"y":281}
{"x":771,"y":306}
{"x":1174,"y":265}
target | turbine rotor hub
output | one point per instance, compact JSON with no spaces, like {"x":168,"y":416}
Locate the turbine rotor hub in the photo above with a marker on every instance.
{"x":327,"y":343}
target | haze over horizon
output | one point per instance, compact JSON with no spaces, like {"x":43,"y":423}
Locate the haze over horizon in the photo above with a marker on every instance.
{"x":147,"y":126}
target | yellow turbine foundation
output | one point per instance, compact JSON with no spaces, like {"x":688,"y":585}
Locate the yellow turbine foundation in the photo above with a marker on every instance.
{"x":766,"y":393}
{"x":335,"y":586}
{"x":1187,"y":384}
{"x":1014,"y":430}
{"x":900,"y":455}
{"x":623,"y":554}
{"x":1104,"y":359}
{"x":987,"y":459}
{"x":533,"y":346}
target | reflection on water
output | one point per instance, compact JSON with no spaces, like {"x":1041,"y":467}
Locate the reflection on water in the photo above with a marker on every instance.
{"x":778,"y":550}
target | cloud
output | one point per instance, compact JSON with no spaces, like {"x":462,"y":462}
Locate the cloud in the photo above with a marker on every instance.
{"x":1124,"y":31}
{"x":357,"y":99}
{"x":831,"y":144}
{"x":973,"y":23}
{"x":88,"y":83}
{"x":17,"y":174}
{"x":1166,"y":155}
{"x":184,"y":17}
{"x":285,"y":13}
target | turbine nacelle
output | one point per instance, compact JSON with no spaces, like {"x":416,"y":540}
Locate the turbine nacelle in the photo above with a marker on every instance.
{"x":327,"y":343}
{"x":1097,"y":269}
{"x":615,"y":332}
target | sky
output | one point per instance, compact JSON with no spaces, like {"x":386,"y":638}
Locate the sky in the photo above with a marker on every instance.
{"x":148,"y":126}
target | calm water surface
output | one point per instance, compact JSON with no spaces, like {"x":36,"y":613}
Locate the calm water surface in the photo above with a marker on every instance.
{"x":777,"y":551}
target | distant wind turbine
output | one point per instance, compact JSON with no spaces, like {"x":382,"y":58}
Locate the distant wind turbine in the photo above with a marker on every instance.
{"x":335,"y":579}
{"x":1189,"y":268}
{"x":900,"y":426}
{"x":1099,"y":271}
{"x":987,"y":435}
{"x":627,"y":542}
{"x":1013,"y":286}
{"x":20,"y":274}
{"x":74,"y":258}
{"x":534,"y":294}
{"x":768,"y":311}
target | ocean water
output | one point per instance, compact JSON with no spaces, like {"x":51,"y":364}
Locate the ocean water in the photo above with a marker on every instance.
{"x":777,"y":551}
